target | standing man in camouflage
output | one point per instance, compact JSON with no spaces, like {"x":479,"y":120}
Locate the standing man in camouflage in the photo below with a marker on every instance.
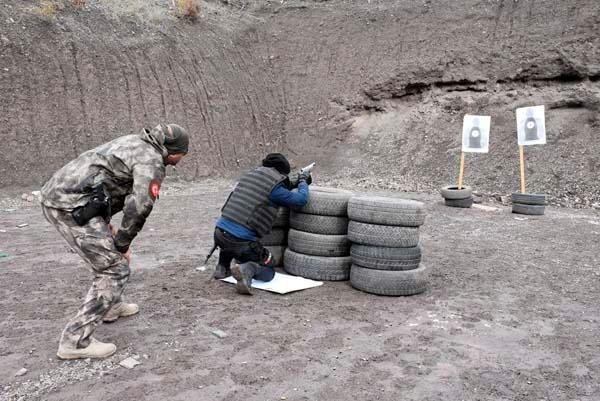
{"x":79,"y":200}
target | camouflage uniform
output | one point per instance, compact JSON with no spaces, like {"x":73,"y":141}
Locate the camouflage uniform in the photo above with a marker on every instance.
{"x":130,"y":169}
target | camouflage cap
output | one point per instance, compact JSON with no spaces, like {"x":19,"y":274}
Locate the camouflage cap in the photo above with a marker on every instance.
{"x":177,"y":139}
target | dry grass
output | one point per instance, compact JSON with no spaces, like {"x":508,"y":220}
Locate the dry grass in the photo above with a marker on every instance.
{"x":189,"y":9}
{"x":144,"y":10}
{"x":48,"y":9}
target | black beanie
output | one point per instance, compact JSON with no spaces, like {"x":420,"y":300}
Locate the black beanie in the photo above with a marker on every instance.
{"x":177,"y":140}
{"x":277,"y":161}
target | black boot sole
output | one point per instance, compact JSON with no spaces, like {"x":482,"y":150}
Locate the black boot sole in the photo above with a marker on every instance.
{"x":221,"y":276}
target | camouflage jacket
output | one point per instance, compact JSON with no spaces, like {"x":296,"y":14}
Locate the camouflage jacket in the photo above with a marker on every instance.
{"x":131,"y":169}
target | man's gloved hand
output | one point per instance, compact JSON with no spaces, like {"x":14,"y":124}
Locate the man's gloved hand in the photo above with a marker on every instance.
{"x":267,"y":257}
{"x":127,"y":255}
{"x":122,"y":241}
{"x":306,"y":177}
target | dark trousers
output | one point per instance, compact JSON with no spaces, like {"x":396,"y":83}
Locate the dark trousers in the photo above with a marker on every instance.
{"x":243,"y":251}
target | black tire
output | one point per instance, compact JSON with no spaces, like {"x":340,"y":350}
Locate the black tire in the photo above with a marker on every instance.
{"x":528,"y":199}
{"x":380,"y":235}
{"x":283,"y":218}
{"x":452,"y":192}
{"x":326,"y":201}
{"x":464,"y":203}
{"x":532,"y":210}
{"x":317,"y":267}
{"x":276,"y":254}
{"x":318,"y":244}
{"x":382,"y":282}
{"x":382,"y":258}
{"x":315,"y":224}
{"x":278,"y":236}
{"x":386,"y":211}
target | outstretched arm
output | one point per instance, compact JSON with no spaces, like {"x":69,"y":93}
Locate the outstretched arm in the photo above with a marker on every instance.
{"x":282,"y":196}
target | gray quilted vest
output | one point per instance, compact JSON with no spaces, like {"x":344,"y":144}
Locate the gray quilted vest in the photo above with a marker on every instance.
{"x":248,"y":204}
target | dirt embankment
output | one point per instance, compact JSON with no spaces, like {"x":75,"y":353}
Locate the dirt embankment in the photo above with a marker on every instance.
{"x":88,"y":76}
{"x":375,"y":90}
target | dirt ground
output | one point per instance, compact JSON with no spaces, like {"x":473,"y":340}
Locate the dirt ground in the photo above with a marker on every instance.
{"x":512,"y":314}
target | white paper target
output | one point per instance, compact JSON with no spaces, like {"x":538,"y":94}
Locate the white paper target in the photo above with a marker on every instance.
{"x":531,"y":126}
{"x":476,"y":134}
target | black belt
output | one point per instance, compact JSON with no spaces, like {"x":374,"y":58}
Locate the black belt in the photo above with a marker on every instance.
{"x":231,"y":236}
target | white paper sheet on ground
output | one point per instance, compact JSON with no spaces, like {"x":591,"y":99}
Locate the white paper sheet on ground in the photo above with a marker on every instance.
{"x":281,"y":283}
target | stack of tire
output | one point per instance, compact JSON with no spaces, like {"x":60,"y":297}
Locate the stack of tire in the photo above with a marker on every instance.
{"x":530,"y":204}
{"x":455,"y":197}
{"x":386,"y":254}
{"x":276,"y":240}
{"x":318,"y":245}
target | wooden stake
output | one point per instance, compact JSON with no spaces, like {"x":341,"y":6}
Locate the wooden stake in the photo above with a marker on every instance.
{"x":522,"y":157}
{"x":462,"y":170}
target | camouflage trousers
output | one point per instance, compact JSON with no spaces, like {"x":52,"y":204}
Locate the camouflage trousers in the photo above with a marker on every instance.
{"x":94,"y":243}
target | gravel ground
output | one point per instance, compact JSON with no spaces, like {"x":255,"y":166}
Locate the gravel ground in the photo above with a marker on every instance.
{"x":512,"y":313}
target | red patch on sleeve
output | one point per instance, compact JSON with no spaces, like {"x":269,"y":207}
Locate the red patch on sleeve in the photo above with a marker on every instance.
{"x":154,"y":189}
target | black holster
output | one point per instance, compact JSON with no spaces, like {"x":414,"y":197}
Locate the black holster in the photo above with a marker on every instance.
{"x":242,"y":250}
{"x":99,"y":205}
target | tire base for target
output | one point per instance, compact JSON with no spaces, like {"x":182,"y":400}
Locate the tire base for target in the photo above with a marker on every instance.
{"x":531,"y":210}
{"x":463,"y":203}
{"x":452,"y":192}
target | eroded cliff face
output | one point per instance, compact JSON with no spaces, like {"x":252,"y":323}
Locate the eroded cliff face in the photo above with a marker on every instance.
{"x":86,"y":77}
{"x":373,"y":90}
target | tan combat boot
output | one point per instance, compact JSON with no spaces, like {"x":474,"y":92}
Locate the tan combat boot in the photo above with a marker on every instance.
{"x":120,"y":310}
{"x":96,"y":349}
